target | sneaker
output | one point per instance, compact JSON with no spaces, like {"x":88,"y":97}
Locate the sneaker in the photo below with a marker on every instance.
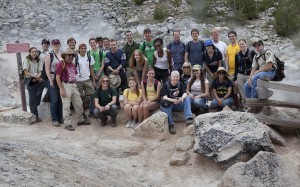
{"x":128,"y":124}
{"x":56,"y":124}
{"x":172,"y":129}
{"x":80,"y":123}
{"x":61,"y":121}
{"x":38,"y":119}
{"x":113,"y":124}
{"x":70,"y":128}
{"x":189,"y":121}
{"x":133,"y":124}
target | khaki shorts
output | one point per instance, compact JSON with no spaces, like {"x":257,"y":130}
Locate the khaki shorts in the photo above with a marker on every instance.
{"x":85,"y":87}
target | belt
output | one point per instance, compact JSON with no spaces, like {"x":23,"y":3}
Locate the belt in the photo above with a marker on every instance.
{"x":69,"y":82}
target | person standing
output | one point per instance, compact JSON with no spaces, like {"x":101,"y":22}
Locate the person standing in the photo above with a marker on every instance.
{"x":105,"y":102}
{"x":215,"y":35}
{"x":194,"y":49}
{"x":232,"y":49}
{"x":66,"y":81}
{"x":177,"y":49}
{"x":71,"y":44}
{"x":45,"y":52}
{"x":138,"y":65}
{"x":98,"y":66}
{"x":147,"y":47}
{"x":129,"y":47}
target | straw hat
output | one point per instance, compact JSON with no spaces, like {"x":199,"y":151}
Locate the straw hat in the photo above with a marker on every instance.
{"x":115,"y":80}
{"x":68,"y":52}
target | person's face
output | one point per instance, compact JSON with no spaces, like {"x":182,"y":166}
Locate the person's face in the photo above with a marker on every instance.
{"x":137,"y":56}
{"x":129,"y":36}
{"x":113,"y":46}
{"x":209,"y":48}
{"x":186,"y":69}
{"x":158,"y":47}
{"x":55,"y":46}
{"x":259,"y":48}
{"x":242,"y":45}
{"x":232,"y":38}
{"x":215,"y":36}
{"x":45,"y":46}
{"x":197,"y":72}
{"x":151,"y":74}
{"x":105,"y":82}
{"x":132,"y":84}
{"x":147,"y":36}
{"x":69,"y":58}
{"x":33,"y":53}
{"x":195,"y":35}
{"x":176,"y":36}
{"x":175,"y":79}
{"x":221,"y":74}
{"x":93,"y":44}
{"x":100,"y":43}
{"x":82,"y":49}
{"x":106,"y":43}
{"x":72,"y":44}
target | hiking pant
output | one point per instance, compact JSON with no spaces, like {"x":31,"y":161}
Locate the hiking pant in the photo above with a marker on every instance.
{"x":86,"y":89}
{"x":226,"y":102}
{"x":56,"y":107}
{"x":112,"y":112}
{"x":183,"y":106}
{"x":72,"y":95}
{"x":250,"y":91}
{"x":161,"y":74}
{"x":35,"y":94}
{"x":242,"y":79}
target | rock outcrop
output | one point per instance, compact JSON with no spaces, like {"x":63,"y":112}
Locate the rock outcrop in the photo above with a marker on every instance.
{"x":17,"y":116}
{"x":229,"y":136}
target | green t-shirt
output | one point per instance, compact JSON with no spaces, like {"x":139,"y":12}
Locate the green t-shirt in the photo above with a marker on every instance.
{"x":105,"y":96}
{"x":148,"y":49}
{"x":96,"y":56}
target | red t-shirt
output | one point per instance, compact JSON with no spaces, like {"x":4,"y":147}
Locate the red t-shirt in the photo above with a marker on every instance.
{"x":67,"y":72}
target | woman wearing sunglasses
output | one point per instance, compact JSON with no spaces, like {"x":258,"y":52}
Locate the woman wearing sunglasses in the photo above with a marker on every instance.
{"x":222,"y":90}
{"x":186,"y":73}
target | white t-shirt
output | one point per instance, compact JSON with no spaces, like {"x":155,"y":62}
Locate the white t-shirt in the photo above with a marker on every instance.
{"x":222,"y":47}
{"x":83,"y":69}
{"x":196,"y":87}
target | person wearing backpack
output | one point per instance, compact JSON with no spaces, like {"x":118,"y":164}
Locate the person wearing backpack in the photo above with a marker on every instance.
{"x":49,"y":69}
{"x":147,"y":46}
{"x":174,"y":98}
{"x":33,"y":80}
{"x":263,"y":65}
{"x":243,"y":66}
{"x":98,"y":67}
{"x":151,"y":95}
{"x":194,"y":49}
{"x":105,"y":102}
{"x":66,"y":80}
{"x":177,"y":49}
{"x":45,"y":52}
{"x":85,"y":79}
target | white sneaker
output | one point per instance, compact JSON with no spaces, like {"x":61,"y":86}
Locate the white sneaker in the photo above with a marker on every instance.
{"x":133,"y":124}
{"x":128,"y":124}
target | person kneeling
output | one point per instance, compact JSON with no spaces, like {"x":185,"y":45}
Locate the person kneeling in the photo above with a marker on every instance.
{"x":105,"y":99}
{"x":174,"y":98}
{"x":222,"y":90}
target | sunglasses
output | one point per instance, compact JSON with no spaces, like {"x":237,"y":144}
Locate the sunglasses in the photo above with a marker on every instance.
{"x":105,"y":80}
{"x":186,"y":67}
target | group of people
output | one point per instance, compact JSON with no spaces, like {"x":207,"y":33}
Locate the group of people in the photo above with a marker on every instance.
{"x":178,"y":77}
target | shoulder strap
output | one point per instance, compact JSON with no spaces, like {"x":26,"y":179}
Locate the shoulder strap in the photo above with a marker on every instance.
{"x":189,"y":46}
{"x":51,"y":58}
{"x":202,"y":45}
{"x":144,"y":47}
{"x":76,"y":60}
{"x":89,"y":58}
{"x":155,"y":84}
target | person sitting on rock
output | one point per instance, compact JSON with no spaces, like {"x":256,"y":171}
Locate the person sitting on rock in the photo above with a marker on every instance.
{"x":197,"y":90}
{"x":66,"y":81}
{"x":105,"y":98}
{"x":132,"y":100}
{"x":186,"y":73}
{"x":151,"y":95}
{"x":222,"y":90}
{"x":138,"y":64}
{"x":174,"y":98}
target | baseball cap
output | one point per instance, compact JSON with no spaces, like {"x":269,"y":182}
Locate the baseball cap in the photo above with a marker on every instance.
{"x":208,"y":43}
{"x":45,"y":41}
{"x":55,"y":42}
{"x":259,"y":42}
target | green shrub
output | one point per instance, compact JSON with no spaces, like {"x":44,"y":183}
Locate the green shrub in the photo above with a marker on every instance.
{"x":139,"y":2}
{"x":176,"y":3}
{"x":245,"y":8}
{"x":160,"y":12}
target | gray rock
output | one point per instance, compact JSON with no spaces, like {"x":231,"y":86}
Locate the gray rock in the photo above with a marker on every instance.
{"x":265,"y":169}
{"x":275,"y":136}
{"x":228,"y":136}
{"x":119,"y":148}
{"x":17,"y":116}
{"x":154,"y":126}
{"x":184,"y":143}
{"x":179,"y":158}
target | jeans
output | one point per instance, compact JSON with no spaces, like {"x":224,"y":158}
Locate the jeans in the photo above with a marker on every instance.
{"x":250,"y":91}
{"x":112,"y":112}
{"x":35,"y":94}
{"x":56,"y":107}
{"x":183,"y":106}
{"x":199,"y":103}
{"x":226,"y":102}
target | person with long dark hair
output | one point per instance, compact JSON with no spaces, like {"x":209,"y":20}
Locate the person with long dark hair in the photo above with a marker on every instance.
{"x":31,"y":67}
{"x":197,"y":89}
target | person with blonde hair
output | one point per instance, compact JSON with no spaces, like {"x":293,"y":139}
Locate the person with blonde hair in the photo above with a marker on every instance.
{"x":186,"y":73}
{"x":138,"y":63}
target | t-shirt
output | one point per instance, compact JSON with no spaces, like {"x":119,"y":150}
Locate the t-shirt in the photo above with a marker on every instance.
{"x":231,"y":51}
{"x":221,"y":87}
{"x":174,"y":91}
{"x":222,"y":47}
{"x":184,"y":79}
{"x":83,"y":67}
{"x":67,"y":71}
{"x":132,"y":96}
{"x":195,"y":52}
{"x":96,"y":56}
{"x":148,"y":49}
{"x":105,"y":96}
{"x":212,"y":63}
{"x":42,"y":58}
{"x":196,"y":87}
{"x":177,"y":50}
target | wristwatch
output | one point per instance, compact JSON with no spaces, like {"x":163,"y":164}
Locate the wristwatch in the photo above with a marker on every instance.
{"x":109,"y":104}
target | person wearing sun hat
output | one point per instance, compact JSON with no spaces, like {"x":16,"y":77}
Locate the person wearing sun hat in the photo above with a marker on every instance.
{"x":66,"y":81}
{"x":222,"y":90}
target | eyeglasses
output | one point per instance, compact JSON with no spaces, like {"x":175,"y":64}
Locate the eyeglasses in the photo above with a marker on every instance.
{"x":186,"y":67}
{"x":104,"y":80}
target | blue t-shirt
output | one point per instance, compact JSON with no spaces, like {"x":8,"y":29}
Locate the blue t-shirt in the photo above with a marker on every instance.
{"x":195,"y":51}
{"x":213,"y":63}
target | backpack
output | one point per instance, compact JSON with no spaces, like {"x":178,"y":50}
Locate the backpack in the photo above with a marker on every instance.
{"x":240,"y":59}
{"x":77,"y":63}
{"x":145,"y":85}
{"x":279,"y":68}
{"x":190,"y":43}
{"x":43,"y":72}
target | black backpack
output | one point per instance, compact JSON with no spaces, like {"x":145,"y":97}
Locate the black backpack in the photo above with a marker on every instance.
{"x":43,"y":72}
{"x":279,"y":68}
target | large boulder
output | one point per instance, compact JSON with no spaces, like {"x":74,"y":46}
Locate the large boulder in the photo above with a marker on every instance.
{"x":17,"y":116}
{"x":265,"y":169}
{"x":227,"y":137}
{"x":154,"y":126}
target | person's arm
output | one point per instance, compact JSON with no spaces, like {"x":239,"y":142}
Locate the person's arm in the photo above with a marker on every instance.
{"x":169,"y":56}
{"x":164,"y":94}
{"x":227,"y":60}
{"x":47,"y":69}
{"x":206,"y":90}
{"x":96,"y":102}
{"x":188,"y":89}
{"x":236,"y":68}
{"x":264,"y":68}
{"x":144,"y":69}
{"x":229,"y":90}
{"x":143,"y":91}
{"x":186,"y":56}
{"x":215,"y":95}
{"x":61,"y":87}
{"x":154,"y":59}
{"x":102,"y":67}
{"x":123,"y":61}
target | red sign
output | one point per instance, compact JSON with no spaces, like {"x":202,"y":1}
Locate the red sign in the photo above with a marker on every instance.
{"x":17,"y":48}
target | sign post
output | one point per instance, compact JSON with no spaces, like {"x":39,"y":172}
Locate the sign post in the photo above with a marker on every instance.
{"x":19,"y":48}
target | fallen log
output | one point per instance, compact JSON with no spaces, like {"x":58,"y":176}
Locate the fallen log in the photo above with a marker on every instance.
{"x":259,"y":102}
{"x":283,"y":122}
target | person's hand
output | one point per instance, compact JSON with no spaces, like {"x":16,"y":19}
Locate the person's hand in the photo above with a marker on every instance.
{"x":257,"y":71}
{"x":62,"y":92}
{"x":107,"y":107}
{"x":220,"y":101}
{"x":51,"y":83}
{"x":250,"y":82}
{"x":94,"y":84}
{"x":101,"y":109}
{"x":215,"y":75}
{"x":236,"y":82}
{"x":197,"y":96}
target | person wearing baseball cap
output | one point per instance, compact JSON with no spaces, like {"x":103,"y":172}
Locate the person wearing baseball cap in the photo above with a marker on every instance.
{"x":45,"y":51}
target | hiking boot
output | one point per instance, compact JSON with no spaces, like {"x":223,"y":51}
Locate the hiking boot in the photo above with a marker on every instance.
{"x":56,"y":124}
{"x":91,"y":115}
{"x":128,"y":124}
{"x":102,"y":123}
{"x":172,"y":129}
{"x":189,"y":121}
{"x":70,"y":128}
{"x":38,"y":119}
{"x":87,"y":121}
